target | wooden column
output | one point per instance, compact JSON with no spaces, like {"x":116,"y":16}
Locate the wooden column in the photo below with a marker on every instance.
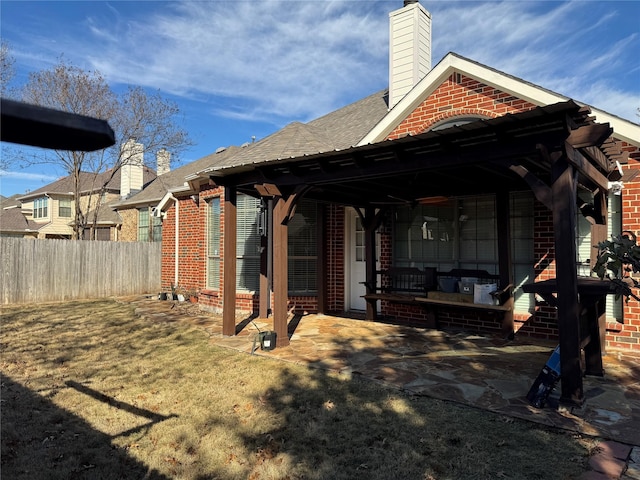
{"x":503,"y":213}
{"x":265,"y":257}
{"x":229,"y":261}
{"x":599,"y":233}
{"x":280,"y":273}
{"x":564,"y":194}
{"x":322,"y":249}
{"x":369,"y":224}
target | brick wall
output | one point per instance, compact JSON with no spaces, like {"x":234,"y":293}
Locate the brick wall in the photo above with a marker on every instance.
{"x":627,"y":335}
{"x":192,"y":257}
{"x":459,"y":96}
{"x":334,"y":229}
{"x":129,"y":230}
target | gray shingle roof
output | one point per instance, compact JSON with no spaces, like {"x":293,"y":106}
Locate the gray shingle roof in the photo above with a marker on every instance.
{"x":337,"y":130}
{"x":156,"y":190}
{"x":12,"y":220}
{"x":89,"y":182}
{"x":106,"y":214}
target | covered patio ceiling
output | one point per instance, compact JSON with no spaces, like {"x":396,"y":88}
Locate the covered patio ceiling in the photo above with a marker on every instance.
{"x":486,"y":156}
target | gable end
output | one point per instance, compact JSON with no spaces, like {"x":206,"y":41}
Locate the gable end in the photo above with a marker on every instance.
{"x":459,"y":95}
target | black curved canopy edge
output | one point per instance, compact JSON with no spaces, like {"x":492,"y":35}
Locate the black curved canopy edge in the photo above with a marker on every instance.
{"x":48,"y":128}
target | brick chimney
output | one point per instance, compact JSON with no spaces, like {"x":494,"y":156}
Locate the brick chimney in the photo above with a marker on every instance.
{"x":409,"y":48}
{"x":163,"y":161}
{"x":131,"y":178}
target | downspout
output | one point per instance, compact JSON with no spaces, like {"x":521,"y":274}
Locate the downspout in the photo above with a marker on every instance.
{"x":177,"y":241}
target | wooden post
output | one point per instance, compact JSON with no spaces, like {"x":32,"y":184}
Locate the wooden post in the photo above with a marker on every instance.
{"x":229,"y":261}
{"x":280,"y":273}
{"x":369,"y":225}
{"x":503,"y":213}
{"x":564,"y":194}
{"x":265,"y":255}
{"x":595,"y":324}
{"x":322,"y":249}
{"x":599,"y":233}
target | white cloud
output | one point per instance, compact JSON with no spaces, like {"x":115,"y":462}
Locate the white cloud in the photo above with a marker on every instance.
{"x":296,"y":61}
{"x":279,"y":61}
{"x":35,"y":177}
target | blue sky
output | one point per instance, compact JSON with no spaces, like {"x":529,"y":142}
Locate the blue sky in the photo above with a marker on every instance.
{"x":246,"y":68}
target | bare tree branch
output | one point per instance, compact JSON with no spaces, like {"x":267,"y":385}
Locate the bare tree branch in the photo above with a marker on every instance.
{"x":148,"y":118}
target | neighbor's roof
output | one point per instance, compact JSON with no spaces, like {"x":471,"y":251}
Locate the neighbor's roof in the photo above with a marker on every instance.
{"x":155,"y":191}
{"x":89,"y":182}
{"x":12,"y":219}
{"x":106,"y":215}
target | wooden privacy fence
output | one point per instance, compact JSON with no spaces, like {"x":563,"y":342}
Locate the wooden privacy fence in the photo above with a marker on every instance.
{"x":52,"y":270}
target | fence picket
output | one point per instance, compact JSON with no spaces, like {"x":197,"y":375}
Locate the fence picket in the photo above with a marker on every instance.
{"x":52,"y":270}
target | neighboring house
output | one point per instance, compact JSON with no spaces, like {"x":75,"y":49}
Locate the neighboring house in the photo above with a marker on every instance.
{"x":13,"y":222}
{"x":140,"y":222}
{"x":48,"y":212}
{"x":333,"y":164}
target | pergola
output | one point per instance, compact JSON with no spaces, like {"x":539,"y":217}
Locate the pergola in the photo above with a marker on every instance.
{"x":554,"y":151}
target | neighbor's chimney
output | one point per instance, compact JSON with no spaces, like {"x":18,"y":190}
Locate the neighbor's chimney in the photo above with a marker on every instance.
{"x":163,"y":161}
{"x":131,"y":177}
{"x":409,"y":48}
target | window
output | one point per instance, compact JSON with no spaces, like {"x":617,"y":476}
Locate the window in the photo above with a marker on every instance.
{"x":462,"y":233}
{"x":149,"y":227}
{"x":522,"y":252}
{"x":459,"y":233}
{"x":302,"y":246}
{"x":213,"y":243}
{"x":64,"y":207}
{"x":143,"y":224}
{"x":455,"y":122}
{"x":248,"y":244}
{"x":156,"y":229}
{"x":303,"y":255}
{"x":99,"y":233}
{"x":40,"y":207}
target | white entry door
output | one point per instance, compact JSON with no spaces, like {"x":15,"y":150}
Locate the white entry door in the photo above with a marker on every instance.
{"x":356,"y":264}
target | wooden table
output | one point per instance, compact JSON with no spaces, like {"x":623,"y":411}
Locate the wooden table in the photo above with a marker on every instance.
{"x":592,"y":293}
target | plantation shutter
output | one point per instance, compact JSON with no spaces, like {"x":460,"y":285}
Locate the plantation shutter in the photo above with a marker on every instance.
{"x":248,"y":244}
{"x":213,"y":244}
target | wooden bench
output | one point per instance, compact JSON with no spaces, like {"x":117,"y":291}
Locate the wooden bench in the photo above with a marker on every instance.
{"x":413,"y":286}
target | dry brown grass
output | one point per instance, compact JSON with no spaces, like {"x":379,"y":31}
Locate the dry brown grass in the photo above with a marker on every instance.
{"x":89,"y":390}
